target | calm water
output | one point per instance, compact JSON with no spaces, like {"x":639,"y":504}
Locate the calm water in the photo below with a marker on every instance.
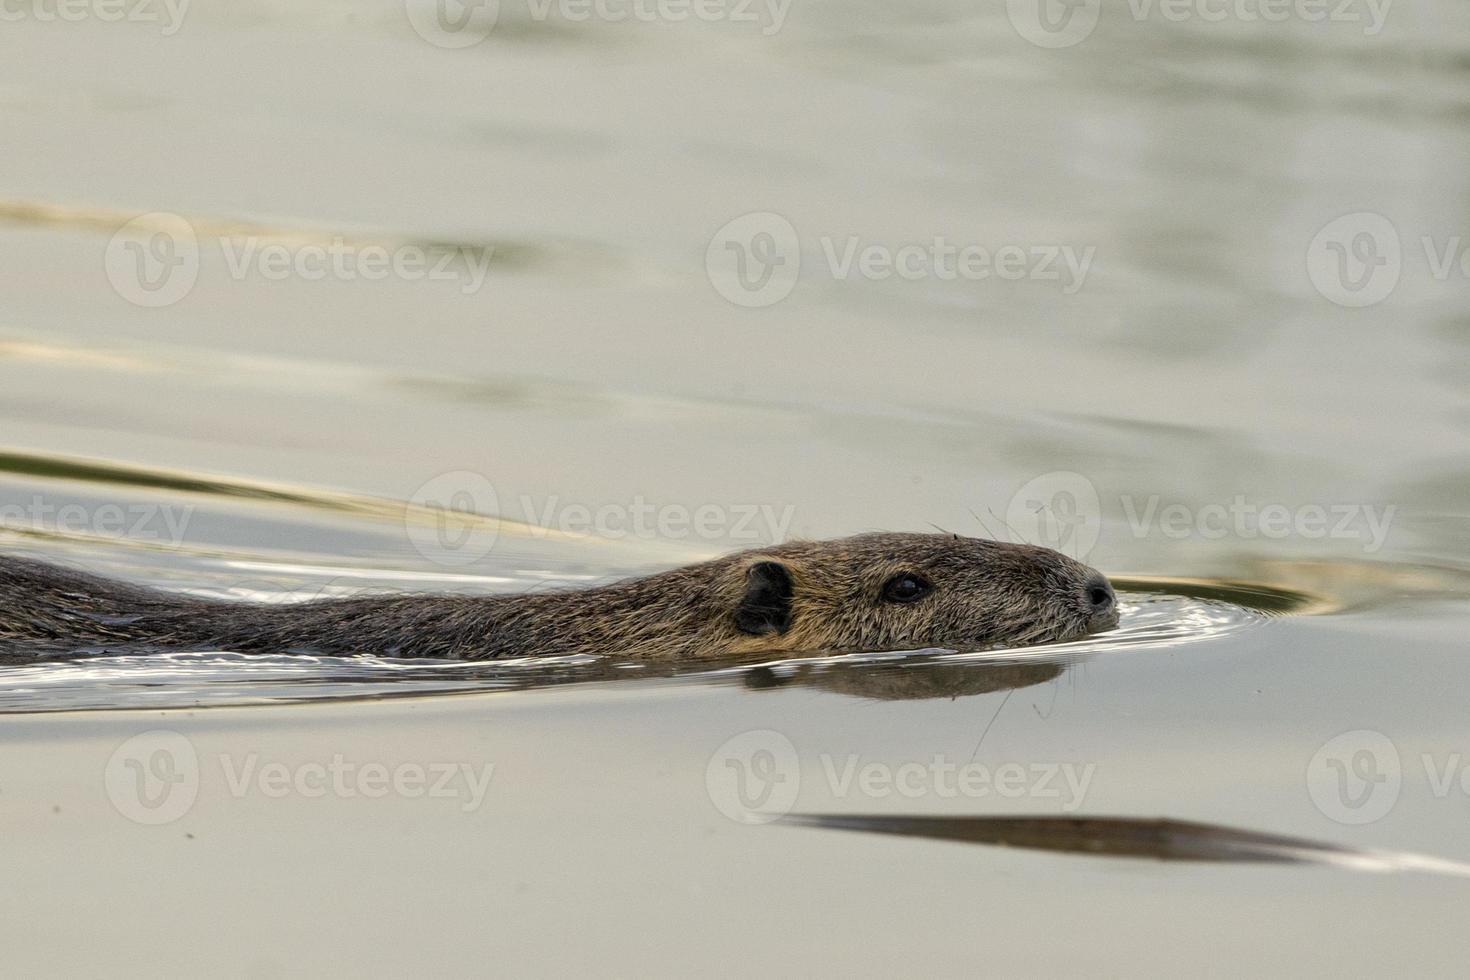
{"x":1179,"y":293}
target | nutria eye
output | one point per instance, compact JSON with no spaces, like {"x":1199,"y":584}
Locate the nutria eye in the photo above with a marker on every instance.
{"x":905,"y":587}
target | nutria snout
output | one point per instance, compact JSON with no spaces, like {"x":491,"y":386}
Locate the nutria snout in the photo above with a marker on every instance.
{"x":872,"y":592}
{"x":1101,"y":603}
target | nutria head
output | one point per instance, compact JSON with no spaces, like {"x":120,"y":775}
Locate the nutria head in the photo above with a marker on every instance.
{"x":902,"y":591}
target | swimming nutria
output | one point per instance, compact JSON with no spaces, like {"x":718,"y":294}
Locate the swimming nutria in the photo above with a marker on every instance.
{"x":871,"y":592}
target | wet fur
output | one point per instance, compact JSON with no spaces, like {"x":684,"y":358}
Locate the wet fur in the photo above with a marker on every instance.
{"x":801,"y":597}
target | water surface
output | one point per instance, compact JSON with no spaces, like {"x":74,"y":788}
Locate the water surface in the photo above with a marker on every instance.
{"x":282,"y":438}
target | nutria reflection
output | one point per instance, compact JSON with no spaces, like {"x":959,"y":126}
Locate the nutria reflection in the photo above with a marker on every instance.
{"x":908,"y":681}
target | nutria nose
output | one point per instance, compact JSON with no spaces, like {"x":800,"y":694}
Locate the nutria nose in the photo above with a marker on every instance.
{"x":1101,"y":602}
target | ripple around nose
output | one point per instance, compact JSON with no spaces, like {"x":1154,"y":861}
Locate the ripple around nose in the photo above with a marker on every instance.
{"x":1157,"y":619}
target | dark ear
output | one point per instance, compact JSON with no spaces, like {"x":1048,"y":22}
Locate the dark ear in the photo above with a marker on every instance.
{"x":766,"y":605}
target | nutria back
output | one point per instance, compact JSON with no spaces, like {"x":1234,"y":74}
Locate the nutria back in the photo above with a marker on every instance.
{"x":871,"y":592}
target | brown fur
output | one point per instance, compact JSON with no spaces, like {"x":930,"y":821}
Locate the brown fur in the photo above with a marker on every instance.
{"x":984,"y":593}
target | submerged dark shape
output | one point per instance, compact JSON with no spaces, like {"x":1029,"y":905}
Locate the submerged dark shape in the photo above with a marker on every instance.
{"x":912,"y":679}
{"x":866,"y":593}
{"x":1164,"y":840}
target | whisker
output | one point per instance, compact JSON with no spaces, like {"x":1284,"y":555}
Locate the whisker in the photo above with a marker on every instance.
{"x":983,"y":526}
{"x":1018,"y":538}
{"x":1003,"y":702}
